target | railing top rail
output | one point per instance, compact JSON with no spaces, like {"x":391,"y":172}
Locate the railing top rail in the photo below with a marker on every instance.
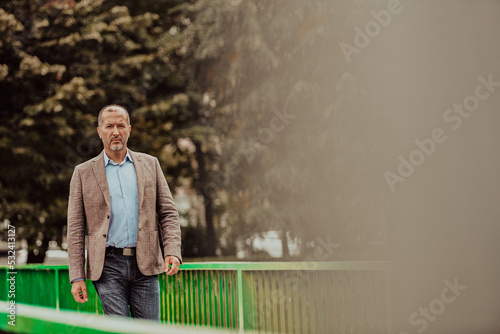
{"x":253,"y":266}
{"x":35,"y":319}
{"x":256,"y":266}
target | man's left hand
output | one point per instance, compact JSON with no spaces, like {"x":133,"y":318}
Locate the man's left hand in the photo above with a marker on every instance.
{"x":174,"y":261}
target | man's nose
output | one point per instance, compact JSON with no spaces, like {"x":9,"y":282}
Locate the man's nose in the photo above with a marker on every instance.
{"x":115,"y":131}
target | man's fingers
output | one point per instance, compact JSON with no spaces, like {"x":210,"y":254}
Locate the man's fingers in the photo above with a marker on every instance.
{"x":174,"y":268}
{"x":84,"y":295}
{"x":167,"y":264}
{"x":78,"y":296}
{"x":171,"y":265}
{"x":79,"y":292}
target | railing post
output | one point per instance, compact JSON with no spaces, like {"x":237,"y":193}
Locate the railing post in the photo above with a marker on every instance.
{"x":57,"y":287}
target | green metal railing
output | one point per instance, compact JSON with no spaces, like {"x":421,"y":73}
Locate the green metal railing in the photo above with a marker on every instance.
{"x":287,"y":297}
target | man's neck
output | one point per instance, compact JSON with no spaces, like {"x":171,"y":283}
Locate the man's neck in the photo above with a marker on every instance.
{"x":116,"y":156}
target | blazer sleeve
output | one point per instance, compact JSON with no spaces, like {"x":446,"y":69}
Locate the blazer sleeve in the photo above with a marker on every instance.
{"x":168,"y":217}
{"x":76,"y":228}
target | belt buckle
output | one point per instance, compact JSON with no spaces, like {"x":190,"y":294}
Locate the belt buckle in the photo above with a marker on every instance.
{"x":128,"y":252}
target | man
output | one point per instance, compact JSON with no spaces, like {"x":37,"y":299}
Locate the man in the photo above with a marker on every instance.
{"x":119,"y":200}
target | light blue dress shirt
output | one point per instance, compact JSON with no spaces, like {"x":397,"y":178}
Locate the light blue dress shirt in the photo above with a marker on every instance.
{"x":122,"y":184}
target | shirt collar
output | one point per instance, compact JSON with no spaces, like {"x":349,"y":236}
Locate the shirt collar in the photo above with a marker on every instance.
{"x":107,"y":160}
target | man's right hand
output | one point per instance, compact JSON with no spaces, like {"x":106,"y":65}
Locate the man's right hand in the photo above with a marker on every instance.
{"x":79,"y":291}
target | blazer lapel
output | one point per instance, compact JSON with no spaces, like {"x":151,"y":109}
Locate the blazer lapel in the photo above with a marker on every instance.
{"x":139,"y":172}
{"x":100,"y":174}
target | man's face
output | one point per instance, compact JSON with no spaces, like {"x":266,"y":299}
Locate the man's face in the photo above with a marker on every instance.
{"x":114,"y":129}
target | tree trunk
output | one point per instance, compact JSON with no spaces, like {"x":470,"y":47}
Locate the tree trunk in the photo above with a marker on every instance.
{"x":207,"y":199}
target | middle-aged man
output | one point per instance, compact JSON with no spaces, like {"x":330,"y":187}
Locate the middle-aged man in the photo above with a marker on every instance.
{"x":119,"y":200}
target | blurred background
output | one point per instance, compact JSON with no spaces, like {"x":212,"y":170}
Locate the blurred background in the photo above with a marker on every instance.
{"x":367,"y":129}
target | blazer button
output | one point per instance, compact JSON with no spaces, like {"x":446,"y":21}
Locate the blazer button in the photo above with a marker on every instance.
{"x":104,"y":235}
{"x":108,"y":216}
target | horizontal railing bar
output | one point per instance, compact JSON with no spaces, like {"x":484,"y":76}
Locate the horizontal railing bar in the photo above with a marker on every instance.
{"x":251,"y":266}
{"x":36,"y":319}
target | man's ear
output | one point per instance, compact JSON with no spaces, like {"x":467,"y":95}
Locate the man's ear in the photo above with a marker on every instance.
{"x":99,"y":132}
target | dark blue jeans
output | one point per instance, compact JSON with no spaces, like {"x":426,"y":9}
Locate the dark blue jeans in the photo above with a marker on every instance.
{"x":122,"y":286}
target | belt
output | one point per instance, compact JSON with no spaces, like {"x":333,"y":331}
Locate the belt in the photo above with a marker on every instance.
{"x":121,"y":251}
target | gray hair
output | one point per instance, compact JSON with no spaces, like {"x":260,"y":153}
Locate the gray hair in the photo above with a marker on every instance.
{"x":113,"y":107}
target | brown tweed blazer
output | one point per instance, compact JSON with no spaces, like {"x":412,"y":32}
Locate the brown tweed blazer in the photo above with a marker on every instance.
{"x":89,"y":214}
